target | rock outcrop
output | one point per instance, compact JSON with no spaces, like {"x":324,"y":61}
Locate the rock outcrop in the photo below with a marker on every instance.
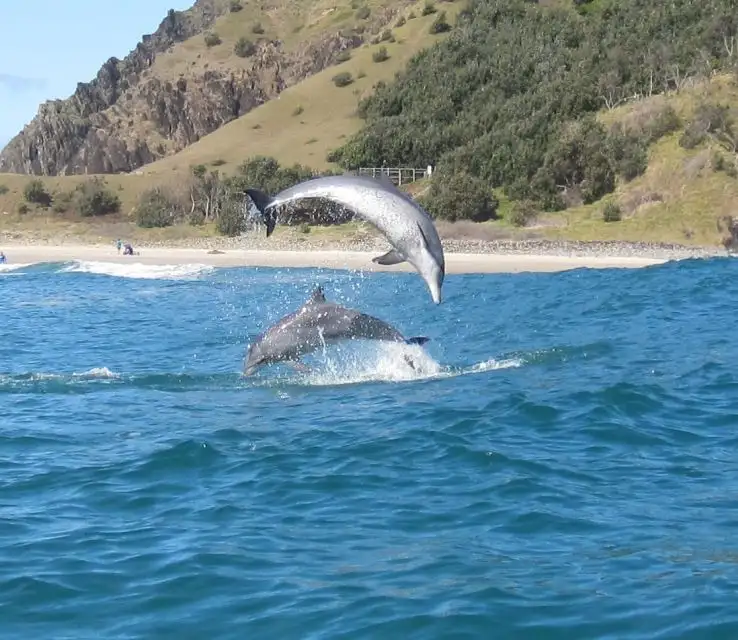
{"x":128,"y":116}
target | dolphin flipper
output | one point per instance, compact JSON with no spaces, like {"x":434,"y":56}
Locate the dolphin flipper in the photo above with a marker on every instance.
{"x":391,"y":257}
{"x":417,"y":340}
{"x":263,"y":202}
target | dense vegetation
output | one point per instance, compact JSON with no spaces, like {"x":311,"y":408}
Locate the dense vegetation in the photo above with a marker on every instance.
{"x":89,"y":199}
{"x":211,"y":197}
{"x":508,"y":100}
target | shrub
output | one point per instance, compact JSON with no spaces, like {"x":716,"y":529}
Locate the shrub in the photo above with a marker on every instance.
{"x":380,"y":55}
{"x":362,"y":13}
{"x":459,"y":196}
{"x":218,"y":163}
{"x":664,"y":122}
{"x":709,"y":119}
{"x":428,"y":9}
{"x":343,"y":56}
{"x":212,"y":39}
{"x":36,"y":193}
{"x":692,"y":137}
{"x":720,"y":163}
{"x":386,"y":36}
{"x":440,"y":25}
{"x":303,"y":227}
{"x":628,"y":153}
{"x":244,"y":47}
{"x":231,"y":220}
{"x":62,"y":202}
{"x":93,"y":198}
{"x":297,"y":110}
{"x":411,"y":15}
{"x":257,"y":29}
{"x":236,"y":6}
{"x":611,"y":213}
{"x":156,"y":208}
{"x":3,"y":189}
{"x":343,"y":79}
{"x":522,"y":213}
{"x":400,"y":21}
{"x":22,"y":208}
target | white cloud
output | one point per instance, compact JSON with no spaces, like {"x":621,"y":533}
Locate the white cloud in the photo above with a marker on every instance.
{"x":18,"y":84}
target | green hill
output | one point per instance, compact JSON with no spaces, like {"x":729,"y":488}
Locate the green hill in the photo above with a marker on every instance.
{"x":578,"y":120}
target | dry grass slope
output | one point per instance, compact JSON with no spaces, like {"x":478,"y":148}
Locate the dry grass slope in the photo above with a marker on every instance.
{"x":679,"y":198}
{"x":313,"y":117}
{"x":302,"y":125}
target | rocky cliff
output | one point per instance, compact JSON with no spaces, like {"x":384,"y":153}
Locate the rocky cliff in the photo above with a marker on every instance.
{"x":154,"y":103}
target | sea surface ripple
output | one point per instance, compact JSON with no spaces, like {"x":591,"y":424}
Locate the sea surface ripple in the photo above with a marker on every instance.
{"x":562,"y":464}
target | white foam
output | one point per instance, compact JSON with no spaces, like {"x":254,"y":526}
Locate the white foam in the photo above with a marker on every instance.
{"x":7,"y":269}
{"x":96,"y":372}
{"x":385,"y":362}
{"x":139,"y":270}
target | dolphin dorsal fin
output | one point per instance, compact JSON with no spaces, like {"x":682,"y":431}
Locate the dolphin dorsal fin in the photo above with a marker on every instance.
{"x":317,"y":296}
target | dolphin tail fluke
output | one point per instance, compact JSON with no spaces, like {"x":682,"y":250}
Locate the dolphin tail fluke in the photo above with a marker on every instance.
{"x":417,"y":340}
{"x":263,"y":202}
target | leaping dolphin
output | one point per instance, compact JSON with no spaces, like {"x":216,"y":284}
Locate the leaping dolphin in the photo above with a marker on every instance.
{"x":405,"y":224}
{"x":313,"y":325}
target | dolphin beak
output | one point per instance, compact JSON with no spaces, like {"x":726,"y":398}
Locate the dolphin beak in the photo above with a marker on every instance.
{"x":435,"y":291}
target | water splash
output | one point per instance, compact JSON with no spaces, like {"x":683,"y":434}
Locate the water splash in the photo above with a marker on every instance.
{"x":139,"y":270}
{"x":380,"y":362}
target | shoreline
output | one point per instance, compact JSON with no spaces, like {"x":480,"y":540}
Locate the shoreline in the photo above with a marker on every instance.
{"x":361,"y":260}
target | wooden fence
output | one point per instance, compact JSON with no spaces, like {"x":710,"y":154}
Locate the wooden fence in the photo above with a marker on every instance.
{"x":398,"y":175}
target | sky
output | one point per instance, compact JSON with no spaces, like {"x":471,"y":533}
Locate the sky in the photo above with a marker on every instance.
{"x":48,"y":46}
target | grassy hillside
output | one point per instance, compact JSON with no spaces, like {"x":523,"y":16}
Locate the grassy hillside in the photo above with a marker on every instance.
{"x":315,"y":116}
{"x":300,"y":126}
{"x":678,"y":194}
{"x":679,"y":198}
{"x":297,"y":25}
{"x":681,"y":195}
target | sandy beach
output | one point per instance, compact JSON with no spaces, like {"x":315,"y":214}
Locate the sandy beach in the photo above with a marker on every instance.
{"x":356,"y":260}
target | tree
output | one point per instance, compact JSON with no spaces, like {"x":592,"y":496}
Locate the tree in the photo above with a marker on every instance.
{"x":459,"y":196}
{"x":244,"y":47}
{"x":35,"y":193}
{"x":94,"y":198}
{"x":156,"y":208}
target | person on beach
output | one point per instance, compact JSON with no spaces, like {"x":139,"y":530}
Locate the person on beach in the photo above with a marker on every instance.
{"x":118,"y":244}
{"x":3,"y":259}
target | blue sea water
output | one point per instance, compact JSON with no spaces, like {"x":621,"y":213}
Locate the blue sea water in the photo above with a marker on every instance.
{"x":562,"y":464}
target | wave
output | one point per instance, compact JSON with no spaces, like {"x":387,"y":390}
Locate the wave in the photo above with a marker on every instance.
{"x":390,"y":363}
{"x":12,"y":269}
{"x":139,"y":270}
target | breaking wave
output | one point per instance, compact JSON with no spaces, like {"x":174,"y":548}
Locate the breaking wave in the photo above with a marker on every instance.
{"x":12,"y":269}
{"x":139,"y":270}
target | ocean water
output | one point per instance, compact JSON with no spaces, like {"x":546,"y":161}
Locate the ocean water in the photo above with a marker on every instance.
{"x":563,"y":463}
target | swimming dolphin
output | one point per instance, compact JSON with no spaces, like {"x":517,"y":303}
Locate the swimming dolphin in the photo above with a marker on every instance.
{"x":407,"y":226}
{"x":313,"y":325}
